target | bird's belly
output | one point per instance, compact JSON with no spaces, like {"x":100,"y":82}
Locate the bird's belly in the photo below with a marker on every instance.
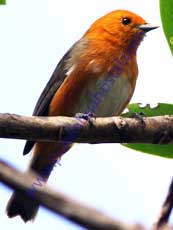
{"x":105,"y":97}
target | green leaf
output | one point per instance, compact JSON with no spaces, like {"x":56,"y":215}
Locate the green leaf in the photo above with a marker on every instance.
{"x":166,"y":11}
{"x":2,"y":2}
{"x":160,"y":110}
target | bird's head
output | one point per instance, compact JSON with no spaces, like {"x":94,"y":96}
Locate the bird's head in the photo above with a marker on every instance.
{"x":121,"y":26}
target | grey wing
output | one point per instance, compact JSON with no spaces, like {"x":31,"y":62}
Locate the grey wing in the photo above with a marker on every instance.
{"x":58,"y":76}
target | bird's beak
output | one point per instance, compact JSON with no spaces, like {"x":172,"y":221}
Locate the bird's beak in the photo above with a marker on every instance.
{"x":147,"y":27}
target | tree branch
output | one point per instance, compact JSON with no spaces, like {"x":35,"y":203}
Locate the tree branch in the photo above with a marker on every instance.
{"x":154,"y":130}
{"x":59,"y":203}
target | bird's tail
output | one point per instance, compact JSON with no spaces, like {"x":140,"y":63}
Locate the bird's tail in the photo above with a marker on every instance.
{"x":23,"y":205}
{"x":42,"y":163}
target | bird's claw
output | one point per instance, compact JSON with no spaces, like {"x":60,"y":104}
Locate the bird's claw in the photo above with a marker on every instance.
{"x":139,"y":116}
{"x":86,"y":116}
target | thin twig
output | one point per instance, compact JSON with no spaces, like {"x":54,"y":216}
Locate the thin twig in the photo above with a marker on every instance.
{"x":59,"y":203}
{"x":166,"y":209}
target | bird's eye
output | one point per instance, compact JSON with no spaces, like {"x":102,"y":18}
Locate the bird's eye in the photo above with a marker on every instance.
{"x":126,"y":21}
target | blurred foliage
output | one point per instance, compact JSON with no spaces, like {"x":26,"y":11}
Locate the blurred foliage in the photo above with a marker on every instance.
{"x":2,"y":2}
{"x":166,"y":11}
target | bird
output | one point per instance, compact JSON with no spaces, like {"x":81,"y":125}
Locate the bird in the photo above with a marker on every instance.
{"x":101,"y":68}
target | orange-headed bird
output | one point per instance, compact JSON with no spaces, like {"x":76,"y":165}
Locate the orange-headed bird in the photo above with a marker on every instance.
{"x":102,"y":62}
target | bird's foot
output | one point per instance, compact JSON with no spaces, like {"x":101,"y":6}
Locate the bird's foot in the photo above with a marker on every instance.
{"x":139,"y":116}
{"x":86,"y":116}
